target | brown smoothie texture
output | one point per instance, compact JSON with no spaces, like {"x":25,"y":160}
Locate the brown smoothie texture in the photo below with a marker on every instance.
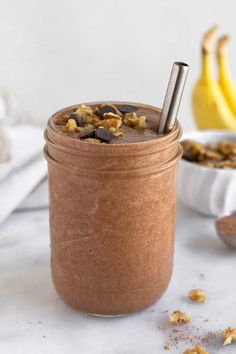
{"x":112,"y":211}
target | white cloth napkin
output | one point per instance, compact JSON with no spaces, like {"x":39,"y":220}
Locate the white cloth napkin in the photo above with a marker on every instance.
{"x":25,"y":169}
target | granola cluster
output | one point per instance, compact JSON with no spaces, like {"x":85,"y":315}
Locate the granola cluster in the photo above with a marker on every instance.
{"x":216,"y":155}
{"x":102,"y":124}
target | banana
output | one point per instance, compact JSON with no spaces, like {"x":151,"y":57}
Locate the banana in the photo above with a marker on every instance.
{"x":209,"y":105}
{"x":226,"y":84}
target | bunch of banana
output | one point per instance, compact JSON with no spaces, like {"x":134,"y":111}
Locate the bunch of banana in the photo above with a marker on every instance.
{"x":214,"y":103}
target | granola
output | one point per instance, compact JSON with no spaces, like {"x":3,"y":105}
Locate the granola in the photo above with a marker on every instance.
{"x":215,"y":155}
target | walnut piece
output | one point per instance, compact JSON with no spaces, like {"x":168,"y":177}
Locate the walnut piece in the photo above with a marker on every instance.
{"x":133,"y":121}
{"x":178,"y":317}
{"x":195,"y":350}
{"x":92,"y":141}
{"x":110,"y":121}
{"x":197,"y":295}
{"x":229,"y":335}
{"x":84,"y":111}
{"x":91,"y":119}
{"x":116,"y":132}
{"x":109,"y":115}
{"x":70,"y":126}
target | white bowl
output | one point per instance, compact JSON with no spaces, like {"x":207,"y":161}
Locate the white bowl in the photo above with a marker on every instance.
{"x":211,"y":191}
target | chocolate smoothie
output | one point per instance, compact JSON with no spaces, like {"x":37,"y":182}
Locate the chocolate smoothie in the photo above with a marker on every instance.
{"x":112,"y":183}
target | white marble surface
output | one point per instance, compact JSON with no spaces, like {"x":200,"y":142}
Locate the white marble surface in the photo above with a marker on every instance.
{"x":33,"y":319}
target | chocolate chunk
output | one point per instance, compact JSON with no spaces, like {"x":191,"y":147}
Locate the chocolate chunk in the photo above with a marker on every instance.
{"x":88,"y":135}
{"x":78,"y":119}
{"x":104,"y":135}
{"x":127,"y":108}
{"x":108,"y":108}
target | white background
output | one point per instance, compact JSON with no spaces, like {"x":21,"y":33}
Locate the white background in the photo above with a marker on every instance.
{"x":56,"y":53}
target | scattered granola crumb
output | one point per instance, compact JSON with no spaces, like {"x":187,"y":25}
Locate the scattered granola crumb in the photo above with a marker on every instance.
{"x":197,"y":295}
{"x":206,"y":320}
{"x":188,"y":335}
{"x":229,"y":335}
{"x":195,"y":350}
{"x":166,"y":311}
{"x":167,"y":346}
{"x":152,"y":310}
{"x":178,"y":317}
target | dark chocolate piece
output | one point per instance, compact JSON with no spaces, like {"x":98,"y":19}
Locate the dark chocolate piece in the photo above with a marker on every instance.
{"x":127,"y":108}
{"x":108,"y":108}
{"x":88,"y":135}
{"x":78,"y":119}
{"x":104,"y":135}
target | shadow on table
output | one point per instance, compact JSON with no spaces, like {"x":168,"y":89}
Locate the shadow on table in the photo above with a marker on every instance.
{"x":207,"y":244}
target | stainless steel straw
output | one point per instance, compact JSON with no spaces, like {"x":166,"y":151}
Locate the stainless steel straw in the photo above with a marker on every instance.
{"x":173,"y":97}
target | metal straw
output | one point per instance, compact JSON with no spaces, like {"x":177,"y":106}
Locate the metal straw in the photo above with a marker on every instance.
{"x":173,"y":97}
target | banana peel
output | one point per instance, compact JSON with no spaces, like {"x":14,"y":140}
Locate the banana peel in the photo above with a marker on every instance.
{"x":209,"y":104}
{"x":227,"y":86}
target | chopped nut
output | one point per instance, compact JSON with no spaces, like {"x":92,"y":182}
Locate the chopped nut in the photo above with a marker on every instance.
{"x":93,"y":119}
{"x":96,"y":111}
{"x":110,"y":115}
{"x":133,"y":121}
{"x":108,"y":122}
{"x":61,"y":120}
{"x":116,"y":132}
{"x":84,"y":111}
{"x":108,"y":108}
{"x":70,"y":126}
{"x":229,"y":335}
{"x":178,"y":317}
{"x":197,"y":295}
{"x":92,"y":141}
{"x":195,"y":350}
